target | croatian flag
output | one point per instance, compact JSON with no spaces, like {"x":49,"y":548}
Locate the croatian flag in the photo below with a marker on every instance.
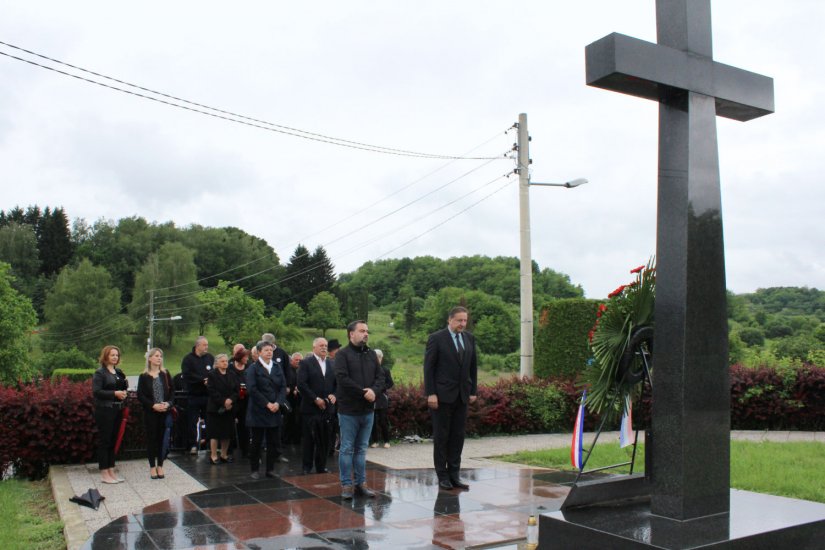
{"x":577,"y":448}
{"x":626,"y":434}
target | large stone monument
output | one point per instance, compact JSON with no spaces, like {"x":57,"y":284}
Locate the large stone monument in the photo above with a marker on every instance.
{"x":685,"y":500}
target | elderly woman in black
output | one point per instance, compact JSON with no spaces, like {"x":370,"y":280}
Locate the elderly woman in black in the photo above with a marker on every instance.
{"x":267,"y":394}
{"x":155,"y":393}
{"x":223,"y":389}
{"x":109,"y":390}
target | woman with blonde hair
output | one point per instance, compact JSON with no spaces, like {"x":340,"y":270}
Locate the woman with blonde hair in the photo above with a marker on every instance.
{"x":154,"y":392}
{"x":109,"y":390}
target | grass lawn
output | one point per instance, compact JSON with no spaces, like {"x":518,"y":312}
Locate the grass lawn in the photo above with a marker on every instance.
{"x":28,"y":516}
{"x":786,"y":469}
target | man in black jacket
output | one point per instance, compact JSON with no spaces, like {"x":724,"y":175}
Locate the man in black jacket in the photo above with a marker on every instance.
{"x":450,"y":376}
{"x":194,"y":367}
{"x":316,"y":385}
{"x":360,"y":379}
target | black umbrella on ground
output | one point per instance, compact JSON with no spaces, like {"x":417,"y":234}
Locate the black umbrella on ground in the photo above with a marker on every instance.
{"x":90,"y":498}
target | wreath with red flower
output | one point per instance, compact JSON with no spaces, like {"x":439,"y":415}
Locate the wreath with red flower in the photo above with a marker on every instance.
{"x":628,"y":308}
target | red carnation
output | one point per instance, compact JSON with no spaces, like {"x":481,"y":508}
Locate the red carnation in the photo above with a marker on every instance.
{"x":590,"y":336}
{"x":616,"y":292}
{"x":638,"y":269}
{"x":602,"y":307}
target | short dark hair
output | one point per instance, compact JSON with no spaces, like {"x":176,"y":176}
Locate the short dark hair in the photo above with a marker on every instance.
{"x":262,"y":344}
{"x":352,"y":325}
{"x":457,"y":309}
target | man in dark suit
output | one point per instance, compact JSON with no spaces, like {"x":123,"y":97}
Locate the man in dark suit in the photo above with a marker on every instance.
{"x":450,"y":376}
{"x":316,"y":385}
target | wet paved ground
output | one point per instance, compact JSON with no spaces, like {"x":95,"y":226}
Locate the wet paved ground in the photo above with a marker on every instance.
{"x":306,"y":511}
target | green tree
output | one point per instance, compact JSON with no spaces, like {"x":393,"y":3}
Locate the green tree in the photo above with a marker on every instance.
{"x":54,"y":241}
{"x":18,"y":248}
{"x":17,"y":319}
{"x":322,"y":276}
{"x":494,"y":322}
{"x":293,"y":315}
{"x":238,"y":316}
{"x":324,"y":312}
{"x":170,"y":274}
{"x":298,"y":276}
{"x":83,"y":309}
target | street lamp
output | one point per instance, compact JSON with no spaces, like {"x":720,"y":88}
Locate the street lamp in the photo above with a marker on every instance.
{"x":526,"y":261}
{"x":152,"y":321}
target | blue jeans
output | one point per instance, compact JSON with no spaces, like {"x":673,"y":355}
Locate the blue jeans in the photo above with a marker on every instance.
{"x":355,"y":437}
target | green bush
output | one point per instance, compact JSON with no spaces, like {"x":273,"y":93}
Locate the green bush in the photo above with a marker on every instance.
{"x":71,"y":359}
{"x":500,"y":363}
{"x":73,"y":375}
{"x":386,"y":349}
{"x":561,"y":340}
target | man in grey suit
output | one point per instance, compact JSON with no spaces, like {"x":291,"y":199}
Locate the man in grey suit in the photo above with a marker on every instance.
{"x":450,"y":377}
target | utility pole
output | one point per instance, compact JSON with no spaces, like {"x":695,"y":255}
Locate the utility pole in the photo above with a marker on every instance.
{"x":526,"y":272}
{"x":151,"y":320}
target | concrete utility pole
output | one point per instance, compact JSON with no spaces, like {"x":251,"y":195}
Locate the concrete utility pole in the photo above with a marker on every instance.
{"x":526,"y":256}
{"x":151,"y":320}
{"x":526,"y":270}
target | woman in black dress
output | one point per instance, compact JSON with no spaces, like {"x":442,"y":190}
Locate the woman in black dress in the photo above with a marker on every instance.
{"x":238,"y":368}
{"x":154,"y":391}
{"x":109,"y":390}
{"x":220,"y":417}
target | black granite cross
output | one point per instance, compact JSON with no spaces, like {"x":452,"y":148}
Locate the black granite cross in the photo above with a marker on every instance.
{"x":690,"y":427}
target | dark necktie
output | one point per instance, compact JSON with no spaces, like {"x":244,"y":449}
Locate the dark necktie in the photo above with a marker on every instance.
{"x":460,"y":347}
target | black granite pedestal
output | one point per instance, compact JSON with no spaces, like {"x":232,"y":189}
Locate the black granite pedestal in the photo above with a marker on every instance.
{"x":755,"y":522}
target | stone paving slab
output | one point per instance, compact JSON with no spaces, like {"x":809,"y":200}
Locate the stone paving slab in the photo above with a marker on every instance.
{"x":129,"y":497}
{"x":139,"y":491}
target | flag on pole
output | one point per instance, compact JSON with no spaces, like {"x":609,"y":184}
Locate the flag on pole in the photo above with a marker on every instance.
{"x":577,"y":447}
{"x":626,"y":435}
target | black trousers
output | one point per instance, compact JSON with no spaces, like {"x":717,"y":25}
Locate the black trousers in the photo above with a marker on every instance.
{"x":381,"y":427}
{"x":273,"y":447}
{"x":195,"y":408}
{"x":155,"y":424}
{"x":449,"y":420}
{"x":315,"y":441}
{"x":108,"y":422}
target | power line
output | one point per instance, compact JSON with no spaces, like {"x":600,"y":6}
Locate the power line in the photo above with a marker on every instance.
{"x":224,"y":114}
{"x":336,"y":223}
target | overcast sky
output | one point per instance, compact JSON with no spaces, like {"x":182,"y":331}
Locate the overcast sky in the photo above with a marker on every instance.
{"x":445,"y":78}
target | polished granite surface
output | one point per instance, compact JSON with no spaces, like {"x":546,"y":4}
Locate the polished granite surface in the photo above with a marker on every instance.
{"x":306,"y":511}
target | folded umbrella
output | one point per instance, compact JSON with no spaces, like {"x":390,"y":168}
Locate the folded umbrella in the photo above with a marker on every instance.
{"x":122,"y":429}
{"x":90,"y":498}
{"x":167,"y":437}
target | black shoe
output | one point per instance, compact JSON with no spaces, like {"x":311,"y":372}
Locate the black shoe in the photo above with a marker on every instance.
{"x":458,"y":484}
{"x":363,"y":491}
{"x":255,"y":475}
{"x":446,"y":485}
{"x":271,"y":475}
{"x":214,"y":462}
{"x":323,"y":471}
{"x":226,"y":460}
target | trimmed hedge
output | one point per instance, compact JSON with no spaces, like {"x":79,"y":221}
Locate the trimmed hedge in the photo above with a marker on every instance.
{"x":562,"y":348}
{"x":52,"y":422}
{"x":73,"y":375}
{"x":71,"y":359}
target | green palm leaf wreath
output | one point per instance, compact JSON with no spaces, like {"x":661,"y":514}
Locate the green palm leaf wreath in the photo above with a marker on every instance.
{"x":627,"y":308}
